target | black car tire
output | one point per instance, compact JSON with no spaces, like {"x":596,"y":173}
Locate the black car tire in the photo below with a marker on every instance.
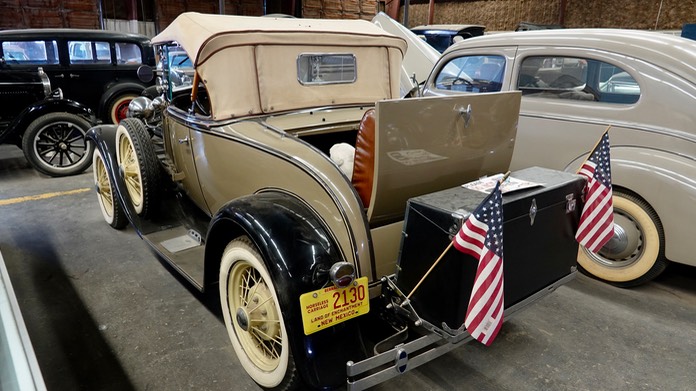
{"x":117,"y":107}
{"x":138,"y":163}
{"x":55,"y":144}
{"x":109,"y":204}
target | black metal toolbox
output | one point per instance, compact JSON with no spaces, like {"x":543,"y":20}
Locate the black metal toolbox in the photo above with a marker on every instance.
{"x":539,"y":243}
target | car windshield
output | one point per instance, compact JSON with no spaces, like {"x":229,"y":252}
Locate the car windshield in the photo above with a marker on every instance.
{"x":472,"y":74}
{"x":179,"y":68}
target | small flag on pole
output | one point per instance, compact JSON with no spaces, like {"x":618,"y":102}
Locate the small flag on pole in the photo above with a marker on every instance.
{"x":481,"y":236}
{"x":597,"y":218}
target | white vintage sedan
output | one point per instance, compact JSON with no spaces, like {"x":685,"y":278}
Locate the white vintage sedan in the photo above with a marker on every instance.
{"x":577,"y":82}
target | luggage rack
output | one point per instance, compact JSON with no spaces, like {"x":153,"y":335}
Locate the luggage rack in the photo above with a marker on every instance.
{"x":436,"y":341}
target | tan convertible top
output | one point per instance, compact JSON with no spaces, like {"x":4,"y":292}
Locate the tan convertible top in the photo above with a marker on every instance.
{"x":203,"y":34}
{"x":249,"y":64}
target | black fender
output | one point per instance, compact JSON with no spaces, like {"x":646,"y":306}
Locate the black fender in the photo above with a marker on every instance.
{"x":119,"y":89}
{"x":37,"y":109}
{"x":104,"y":139}
{"x":294,"y":242}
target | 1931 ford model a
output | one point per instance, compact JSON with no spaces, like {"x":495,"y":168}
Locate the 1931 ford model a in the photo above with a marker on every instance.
{"x":227,"y":175}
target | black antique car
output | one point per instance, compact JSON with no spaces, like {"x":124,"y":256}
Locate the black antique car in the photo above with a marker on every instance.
{"x":94,"y":67}
{"x":49,"y":129}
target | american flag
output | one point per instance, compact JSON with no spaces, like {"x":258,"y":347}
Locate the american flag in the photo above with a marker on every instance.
{"x":597,"y":218}
{"x":481,"y":236}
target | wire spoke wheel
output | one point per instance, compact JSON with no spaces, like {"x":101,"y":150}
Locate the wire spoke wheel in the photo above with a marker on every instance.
{"x":253,"y":317}
{"x":55,"y":144}
{"x":258,"y":323}
{"x":111,"y":209}
{"x":128,"y":163}
{"x":138,"y":165}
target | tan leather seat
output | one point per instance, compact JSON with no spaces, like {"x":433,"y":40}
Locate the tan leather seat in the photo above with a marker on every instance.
{"x":364,"y":164}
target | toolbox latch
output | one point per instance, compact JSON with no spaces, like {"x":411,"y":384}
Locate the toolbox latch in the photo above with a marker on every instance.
{"x":570,"y":203}
{"x":532,"y":211}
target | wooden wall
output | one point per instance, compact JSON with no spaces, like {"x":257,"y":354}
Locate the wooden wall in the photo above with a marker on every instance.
{"x":506,"y":14}
{"x":494,"y":14}
{"x":19,"y":14}
{"x":339,"y":9}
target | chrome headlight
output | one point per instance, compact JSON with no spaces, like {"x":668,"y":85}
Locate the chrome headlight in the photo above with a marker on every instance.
{"x":45,"y":81}
{"x":140,"y":107}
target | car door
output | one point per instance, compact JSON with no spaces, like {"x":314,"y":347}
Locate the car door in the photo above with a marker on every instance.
{"x":570,"y":96}
{"x":88,"y":62}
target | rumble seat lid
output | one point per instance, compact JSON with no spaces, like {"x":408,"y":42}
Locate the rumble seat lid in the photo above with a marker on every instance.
{"x":434,"y":143}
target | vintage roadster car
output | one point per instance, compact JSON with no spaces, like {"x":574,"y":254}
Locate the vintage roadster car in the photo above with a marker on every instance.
{"x":575,"y":83}
{"x":228,"y":176}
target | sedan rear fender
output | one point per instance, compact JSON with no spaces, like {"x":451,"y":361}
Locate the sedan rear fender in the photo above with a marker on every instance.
{"x":667,"y":182}
{"x":297,"y":248}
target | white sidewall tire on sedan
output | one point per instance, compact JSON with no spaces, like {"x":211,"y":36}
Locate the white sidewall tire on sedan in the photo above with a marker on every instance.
{"x":260,"y":341}
{"x":646,"y":261}
{"x":110,"y":207}
{"x":138,"y":164}
{"x":117,"y":108}
{"x":55,"y":144}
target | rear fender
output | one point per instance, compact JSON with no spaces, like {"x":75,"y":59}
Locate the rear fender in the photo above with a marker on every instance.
{"x":666,"y":181}
{"x":294,"y":242}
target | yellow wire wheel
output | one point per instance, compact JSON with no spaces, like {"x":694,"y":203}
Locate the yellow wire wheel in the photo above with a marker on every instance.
{"x":108,"y":203}
{"x":138,"y":164}
{"x":253,"y":317}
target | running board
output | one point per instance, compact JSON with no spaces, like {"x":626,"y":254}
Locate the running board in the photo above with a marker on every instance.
{"x":183,"y":249}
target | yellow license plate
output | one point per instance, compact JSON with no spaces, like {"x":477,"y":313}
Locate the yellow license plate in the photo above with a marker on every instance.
{"x":329,"y":306}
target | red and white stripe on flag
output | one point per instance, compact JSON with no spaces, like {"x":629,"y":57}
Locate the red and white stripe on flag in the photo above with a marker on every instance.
{"x":597,"y":218}
{"x":481,"y":236}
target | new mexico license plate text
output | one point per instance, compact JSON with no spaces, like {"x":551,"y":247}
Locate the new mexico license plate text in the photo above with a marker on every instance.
{"x":329,"y":306}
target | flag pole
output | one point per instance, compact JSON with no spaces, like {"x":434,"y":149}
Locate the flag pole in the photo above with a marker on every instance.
{"x":428,"y":272}
{"x":593,"y":148}
{"x":503,"y":179}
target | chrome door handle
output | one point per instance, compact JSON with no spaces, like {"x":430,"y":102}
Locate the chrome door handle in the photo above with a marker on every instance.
{"x":184,"y":140}
{"x":59,"y":76}
{"x":465,"y":114}
{"x":74,"y":76}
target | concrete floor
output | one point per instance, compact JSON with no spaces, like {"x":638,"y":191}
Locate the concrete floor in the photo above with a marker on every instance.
{"x":105,"y":314}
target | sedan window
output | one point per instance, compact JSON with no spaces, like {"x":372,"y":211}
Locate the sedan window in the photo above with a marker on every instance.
{"x":472,"y":74}
{"x":87,"y":52}
{"x":30,"y":52}
{"x":576,"y":79}
{"x":128,"y":53}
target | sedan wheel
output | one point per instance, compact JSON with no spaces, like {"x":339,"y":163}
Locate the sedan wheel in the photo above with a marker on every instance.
{"x":138,"y":164}
{"x":635,"y":254}
{"x":55,"y":144}
{"x":111,"y":208}
{"x":118,"y":108}
{"x":254,"y":319}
